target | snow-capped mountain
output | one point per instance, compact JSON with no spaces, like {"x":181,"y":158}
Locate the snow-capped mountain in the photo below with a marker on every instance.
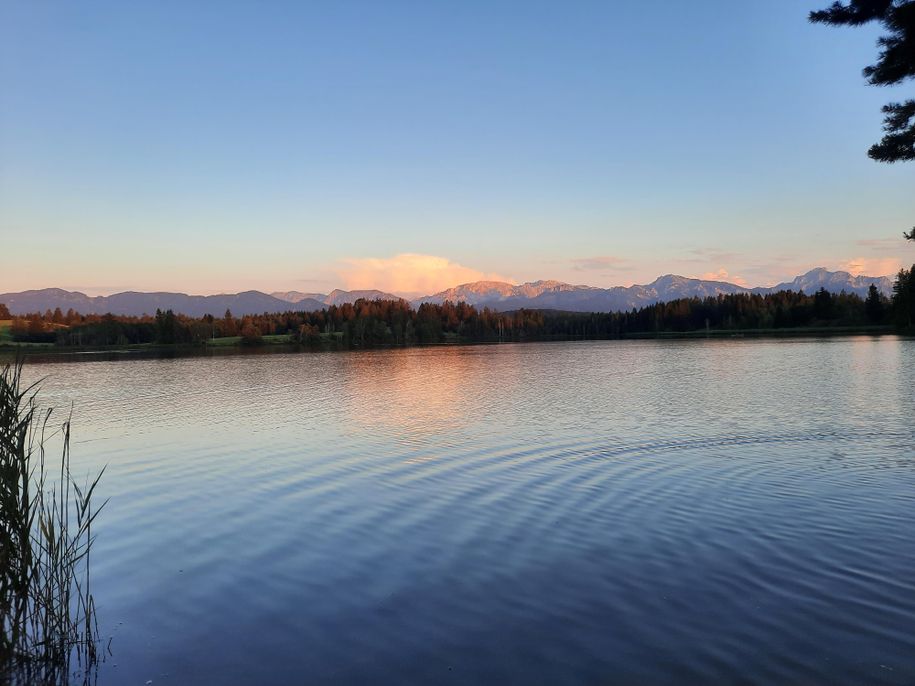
{"x":552,"y":295}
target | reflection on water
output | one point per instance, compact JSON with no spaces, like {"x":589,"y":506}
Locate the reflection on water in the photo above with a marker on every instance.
{"x":540,"y":513}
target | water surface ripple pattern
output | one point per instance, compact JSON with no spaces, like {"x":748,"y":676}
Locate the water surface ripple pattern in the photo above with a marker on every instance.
{"x":619,"y":512}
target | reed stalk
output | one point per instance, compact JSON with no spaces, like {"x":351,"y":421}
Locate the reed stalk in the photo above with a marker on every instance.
{"x":49,"y":629}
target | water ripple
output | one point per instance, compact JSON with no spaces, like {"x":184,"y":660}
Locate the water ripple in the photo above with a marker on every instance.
{"x":653,"y":513}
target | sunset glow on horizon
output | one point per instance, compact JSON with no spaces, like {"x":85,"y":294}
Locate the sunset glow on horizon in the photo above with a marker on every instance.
{"x":435,"y":146}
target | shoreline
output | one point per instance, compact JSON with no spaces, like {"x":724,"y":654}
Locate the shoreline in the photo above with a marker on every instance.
{"x":285,"y":343}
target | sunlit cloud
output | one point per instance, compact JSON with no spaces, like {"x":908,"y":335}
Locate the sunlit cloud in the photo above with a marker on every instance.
{"x":871,"y":266}
{"x":723,"y":275}
{"x":409,"y":274}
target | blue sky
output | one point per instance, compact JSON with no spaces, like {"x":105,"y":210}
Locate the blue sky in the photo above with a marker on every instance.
{"x":221,"y":146}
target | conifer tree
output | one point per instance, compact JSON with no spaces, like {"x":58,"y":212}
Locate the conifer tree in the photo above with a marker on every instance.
{"x":873,"y":306}
{"x":895,"y":64}
{"x":904,"y":298}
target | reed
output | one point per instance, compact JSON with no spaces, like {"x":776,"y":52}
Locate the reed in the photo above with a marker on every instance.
{"x":50,"y":634}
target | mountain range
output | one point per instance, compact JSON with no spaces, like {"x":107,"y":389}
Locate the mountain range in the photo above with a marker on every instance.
{"x":497,"y":295}
{"x":556,"y":295}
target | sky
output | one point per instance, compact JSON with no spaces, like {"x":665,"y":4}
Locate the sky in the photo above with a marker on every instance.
{"x":212,"y":147}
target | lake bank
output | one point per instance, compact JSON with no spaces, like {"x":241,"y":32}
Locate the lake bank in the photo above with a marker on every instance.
{"x":334,"y":342}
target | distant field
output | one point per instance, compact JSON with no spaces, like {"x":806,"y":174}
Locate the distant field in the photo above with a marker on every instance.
{"x":223,"y":342}
{"x":6,"y":339}
{"x":230,"y":341}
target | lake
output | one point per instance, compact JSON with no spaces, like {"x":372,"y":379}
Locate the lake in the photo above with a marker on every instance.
{"x":652,"y":512}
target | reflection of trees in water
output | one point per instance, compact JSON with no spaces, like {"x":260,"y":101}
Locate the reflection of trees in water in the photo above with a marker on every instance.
{"x":49,"y":635}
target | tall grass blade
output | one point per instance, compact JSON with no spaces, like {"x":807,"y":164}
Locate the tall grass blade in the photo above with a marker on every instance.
{"x":49,"y":628}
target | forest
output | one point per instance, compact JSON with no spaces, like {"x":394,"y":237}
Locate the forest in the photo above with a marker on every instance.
{"x":372,"y":323}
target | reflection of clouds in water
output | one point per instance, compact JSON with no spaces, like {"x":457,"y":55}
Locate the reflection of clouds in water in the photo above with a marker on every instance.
{"x":411,"y":394}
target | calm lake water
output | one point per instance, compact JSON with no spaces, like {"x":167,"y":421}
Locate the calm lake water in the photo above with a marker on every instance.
{"x":603,"y":512}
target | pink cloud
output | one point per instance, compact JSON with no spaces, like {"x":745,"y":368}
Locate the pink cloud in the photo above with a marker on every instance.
{"x":723,"y":275}
{"x":871,"y":266}
{"x":409,"y":274}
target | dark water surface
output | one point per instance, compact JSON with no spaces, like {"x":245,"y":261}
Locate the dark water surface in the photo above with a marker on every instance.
{"x":608,"y":512}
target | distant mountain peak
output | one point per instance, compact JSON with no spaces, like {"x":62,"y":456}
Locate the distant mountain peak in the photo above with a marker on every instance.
{"x":494,"y":291}
{"x":834,"y":282}
{"x":668,"y":278}
{"x":483,"y":284}
{"x":298,"y":296}
{"x":340,"y":297}
{"x":546,"y":283}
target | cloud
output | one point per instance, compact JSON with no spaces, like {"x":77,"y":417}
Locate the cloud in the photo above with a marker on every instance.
{"x":600,"y":263}
{"x":871,"y":266}
{"x":409,"y":274}
{"x":723,"y":275}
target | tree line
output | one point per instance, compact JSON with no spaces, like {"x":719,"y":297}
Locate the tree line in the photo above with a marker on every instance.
{"x":370,"y":323}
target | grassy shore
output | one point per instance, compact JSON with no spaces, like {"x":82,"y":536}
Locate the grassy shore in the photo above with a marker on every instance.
{"x":334,"y":341}
{"x":817,"y":331}
{"x":6,"y":338}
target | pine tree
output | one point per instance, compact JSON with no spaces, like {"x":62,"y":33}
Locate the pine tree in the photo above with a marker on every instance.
{"x":904,"y":298}
{"x":823,"y":304}
{"x":896,"y":63}
{"x":873,"y":306}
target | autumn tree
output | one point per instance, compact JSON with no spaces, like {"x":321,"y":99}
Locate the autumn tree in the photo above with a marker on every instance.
{"x":250,"y":333}
{"x":36,"y":325}
{"x":229,"y":328}
{"x":19,"y":326}
{"x":895,"y":64}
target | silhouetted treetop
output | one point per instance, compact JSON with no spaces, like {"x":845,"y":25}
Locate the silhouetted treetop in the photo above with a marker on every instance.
{"x":854,"y":13}
{"x":895,"y":64}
